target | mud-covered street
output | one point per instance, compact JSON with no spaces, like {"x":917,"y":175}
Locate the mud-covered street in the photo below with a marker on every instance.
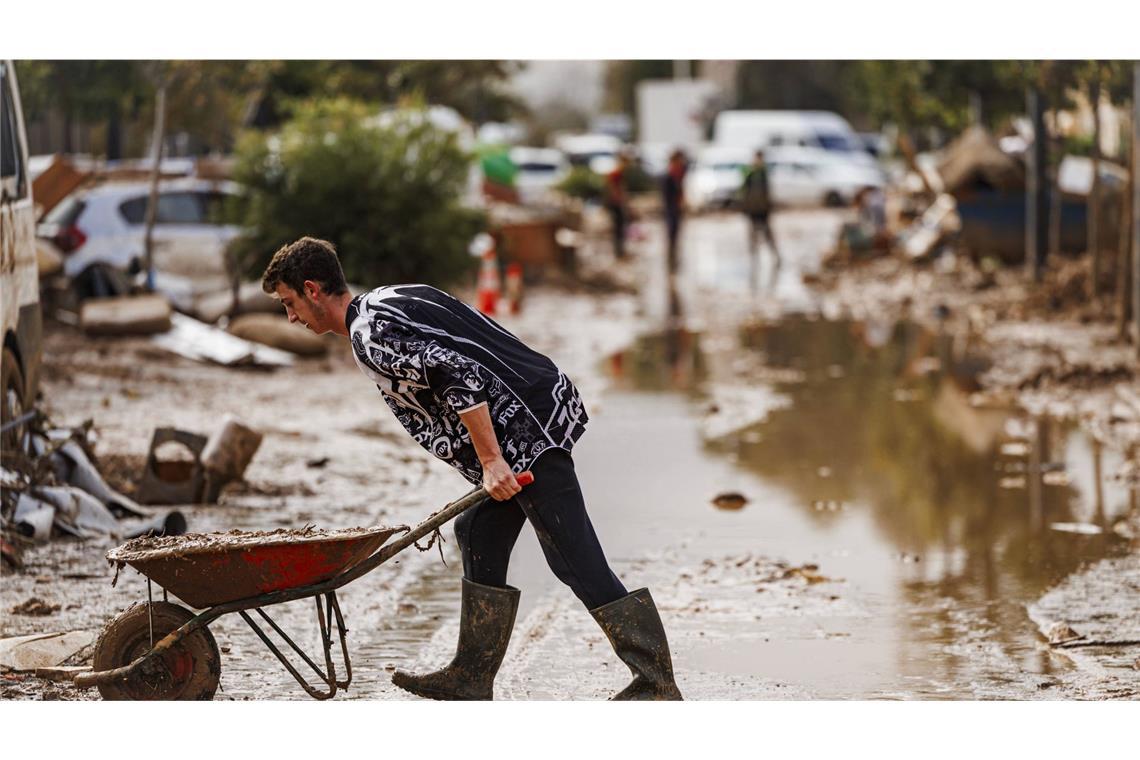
{"x":822,"y":507}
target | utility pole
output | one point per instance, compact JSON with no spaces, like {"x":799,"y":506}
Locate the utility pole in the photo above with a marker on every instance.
{"x":1036,"y":211}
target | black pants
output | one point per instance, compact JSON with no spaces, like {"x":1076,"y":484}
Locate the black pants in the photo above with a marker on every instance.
{"x":617,"y":217}
{"x":672,"y":232}
{"x":555,"y":507}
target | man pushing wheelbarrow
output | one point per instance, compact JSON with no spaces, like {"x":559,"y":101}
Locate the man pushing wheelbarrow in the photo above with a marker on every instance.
{"x":478,"y":398}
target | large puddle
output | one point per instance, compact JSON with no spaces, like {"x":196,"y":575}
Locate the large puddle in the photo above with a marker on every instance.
{"x":942,"y":518}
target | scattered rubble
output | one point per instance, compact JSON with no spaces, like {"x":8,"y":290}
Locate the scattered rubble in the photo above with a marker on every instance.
{"x":57,"y":488}
{"x":35,"y":606}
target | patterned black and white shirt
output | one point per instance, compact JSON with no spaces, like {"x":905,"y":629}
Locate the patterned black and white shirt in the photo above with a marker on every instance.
{"x":433,"y":356}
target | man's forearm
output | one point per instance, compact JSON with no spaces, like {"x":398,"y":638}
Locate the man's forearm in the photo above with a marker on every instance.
{"x":478,"y":424}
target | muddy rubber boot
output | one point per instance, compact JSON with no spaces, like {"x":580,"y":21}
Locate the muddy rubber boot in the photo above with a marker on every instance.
{"x":486,"y":617}
{"x":634,"y":629}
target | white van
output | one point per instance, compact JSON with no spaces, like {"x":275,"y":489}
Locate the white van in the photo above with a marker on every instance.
{"x":19,"y":280}
{"x":822,"y":130}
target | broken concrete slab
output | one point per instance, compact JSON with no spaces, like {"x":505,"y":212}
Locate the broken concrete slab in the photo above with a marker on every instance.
{"x":127,"y":315}
{"x":42,"y":650}
{"x":196,"y":340}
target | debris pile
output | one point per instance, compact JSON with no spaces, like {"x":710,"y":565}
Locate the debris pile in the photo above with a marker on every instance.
{"x":53,"y":488}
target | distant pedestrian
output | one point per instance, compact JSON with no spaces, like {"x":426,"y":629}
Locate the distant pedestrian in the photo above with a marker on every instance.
{"x":756,"y":203}
{"x":617,"y":200}
{"x":673,"y":198}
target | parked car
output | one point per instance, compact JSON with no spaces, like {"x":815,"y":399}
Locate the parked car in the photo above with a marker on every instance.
{"x":104,"y":227}
{"x":539,"y":170}
{"x":777,"y":129}
{"x":597,"y":151}
{"x":813,"y":177}
{"x":21,"y":319}
{"x":715,"y":177}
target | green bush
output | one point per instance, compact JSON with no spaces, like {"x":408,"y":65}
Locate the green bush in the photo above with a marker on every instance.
{"x":387,"y":194}
{"x":583,"y":183}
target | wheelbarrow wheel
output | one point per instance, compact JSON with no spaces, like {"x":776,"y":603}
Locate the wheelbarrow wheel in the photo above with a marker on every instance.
{"x":189,"y":670}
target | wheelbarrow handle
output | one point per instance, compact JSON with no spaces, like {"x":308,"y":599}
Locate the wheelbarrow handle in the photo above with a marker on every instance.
{"x":471,"y":499}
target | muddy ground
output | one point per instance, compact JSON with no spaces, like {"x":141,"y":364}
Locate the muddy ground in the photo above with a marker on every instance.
{"x":822,"y":508}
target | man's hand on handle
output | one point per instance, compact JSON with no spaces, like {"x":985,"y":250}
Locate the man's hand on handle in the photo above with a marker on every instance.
{"x":501,"y":482}
{"x":498,"y":480}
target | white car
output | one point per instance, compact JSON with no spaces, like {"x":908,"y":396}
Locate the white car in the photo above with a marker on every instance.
{"x":597,"y":151}
{"x":822,"y":130}
{"x":539,"y":170}
{"x":106,"y":225}
{"x":715,"y":178}
{"x":813,"y":177}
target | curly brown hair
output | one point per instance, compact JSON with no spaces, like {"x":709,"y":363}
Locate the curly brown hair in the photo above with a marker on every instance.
{"x":305,"y":259}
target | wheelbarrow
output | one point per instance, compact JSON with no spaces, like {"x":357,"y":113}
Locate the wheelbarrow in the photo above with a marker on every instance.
{"x":159,"y":650}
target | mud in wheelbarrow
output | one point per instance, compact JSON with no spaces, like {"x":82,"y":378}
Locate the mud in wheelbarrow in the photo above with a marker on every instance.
{"x":208,"y":569}
{"x":161,"y":650}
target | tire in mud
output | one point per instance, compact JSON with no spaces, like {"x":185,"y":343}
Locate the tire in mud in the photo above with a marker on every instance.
{"x":13,"y":402}
{"x":190,"y":670}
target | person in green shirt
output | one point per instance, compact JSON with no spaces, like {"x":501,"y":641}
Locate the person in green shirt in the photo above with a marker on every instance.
{"x":756,"y":203}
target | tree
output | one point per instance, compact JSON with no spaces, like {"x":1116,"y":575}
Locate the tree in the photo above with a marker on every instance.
{"x":388,"y":197}
{"x":82,"y":91}
{"x":622,"y":78}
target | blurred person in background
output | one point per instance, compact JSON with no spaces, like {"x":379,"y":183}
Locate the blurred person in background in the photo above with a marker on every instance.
{"x":868,"y":233}
{"x":617,"y":198}
{"x":673,"y":198}
{"x":756,"y":203}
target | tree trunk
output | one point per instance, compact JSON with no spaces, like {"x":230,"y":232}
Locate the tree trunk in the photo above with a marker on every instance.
{"x":1057,"y":150}
{"x":1093,"y":206}
{"x":1036,"y":230}
{"x":156,"y":169}
{"x":114,"y":149}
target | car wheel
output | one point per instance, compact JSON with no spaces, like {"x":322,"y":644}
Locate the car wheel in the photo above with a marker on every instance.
{"x":833,"y":199}
{"x":12,"y":404}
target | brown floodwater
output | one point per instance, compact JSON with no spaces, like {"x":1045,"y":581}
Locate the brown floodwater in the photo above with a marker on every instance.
{"x":934,"y":520}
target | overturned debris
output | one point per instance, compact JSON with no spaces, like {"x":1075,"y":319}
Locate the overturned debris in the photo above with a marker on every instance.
{"x":55,"y":487}
{"x":35,"y":607}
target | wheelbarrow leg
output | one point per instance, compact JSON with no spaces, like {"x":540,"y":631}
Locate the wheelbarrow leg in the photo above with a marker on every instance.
{"x":334,"y":608}
{"x":328,"y":676}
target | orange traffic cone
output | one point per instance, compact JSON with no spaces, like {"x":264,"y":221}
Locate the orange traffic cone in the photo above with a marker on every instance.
{"x":487,"y":289}
{"x":514,"y":286}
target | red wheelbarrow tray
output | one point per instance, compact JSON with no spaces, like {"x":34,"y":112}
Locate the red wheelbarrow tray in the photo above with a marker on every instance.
{"x":208,"y":569}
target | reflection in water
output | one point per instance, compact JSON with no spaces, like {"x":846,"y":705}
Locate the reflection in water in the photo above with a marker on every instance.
{"x":926,"y":462}
{"x":884,"y":424}
{"x":669,"y":360}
